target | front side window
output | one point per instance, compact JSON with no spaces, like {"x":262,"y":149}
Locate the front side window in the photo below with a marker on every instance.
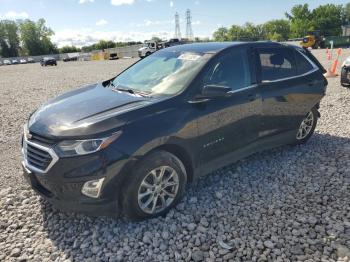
{"x":231,"y":70}
{"x":163,"y":73}
{"x":276,"y":63}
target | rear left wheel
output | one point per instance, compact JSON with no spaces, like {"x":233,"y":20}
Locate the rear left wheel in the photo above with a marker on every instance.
{"x":307,"y":127}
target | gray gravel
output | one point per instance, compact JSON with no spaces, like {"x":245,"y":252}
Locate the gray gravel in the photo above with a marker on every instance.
{"x":286,"y":204}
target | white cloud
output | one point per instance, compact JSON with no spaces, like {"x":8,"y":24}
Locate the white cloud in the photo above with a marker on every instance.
{"x":12,"y":15}
{"x":85,"y":1}
{"x":88,"y":36}
{"x":197,"y":2}
{"x":147,"y":23}
{"x":101,"y":22}
{"x":196,"y":22}
{"x":171,"y":3}
{"x":122,"y":2}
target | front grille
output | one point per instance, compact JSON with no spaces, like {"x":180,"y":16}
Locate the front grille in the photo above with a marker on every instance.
{"x":37,"y":158}
{"x":41,"y":139}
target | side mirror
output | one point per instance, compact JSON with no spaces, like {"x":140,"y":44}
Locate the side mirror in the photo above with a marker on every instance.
{"x":210,"y":91}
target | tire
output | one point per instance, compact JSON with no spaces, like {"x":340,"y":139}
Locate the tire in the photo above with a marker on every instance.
{"x":302,"y":139}
{"x":148,"y":53}
{"x":144,"y":174}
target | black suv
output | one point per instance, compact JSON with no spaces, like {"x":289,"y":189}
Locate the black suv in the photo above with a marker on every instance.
{"x":48,"y":61}
{"x":131,"y":144}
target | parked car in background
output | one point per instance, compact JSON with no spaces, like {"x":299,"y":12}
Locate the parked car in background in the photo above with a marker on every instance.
{"x":0,"y":63}
{"x":345,"y":73}
{"x":30,"y":60}
{"x":69,"y":59}
{"x":48,"y":61}
{"x":23,"y":61}
{"x":199,"y":107}
{"x":7,"y":62}
{"x":15,"y":62}
{"x":113,"y":56}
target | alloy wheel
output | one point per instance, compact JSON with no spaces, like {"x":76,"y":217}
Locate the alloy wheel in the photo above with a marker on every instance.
{"x":158,"y":190}
{"x":305,"y":126}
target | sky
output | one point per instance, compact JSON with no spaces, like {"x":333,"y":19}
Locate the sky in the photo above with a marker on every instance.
{"x":84,"y":22}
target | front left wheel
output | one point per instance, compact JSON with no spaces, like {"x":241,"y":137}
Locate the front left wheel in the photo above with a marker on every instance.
{"x":155,"y":186}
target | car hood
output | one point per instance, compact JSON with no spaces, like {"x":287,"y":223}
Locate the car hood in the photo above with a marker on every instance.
{"x":87,"y":111}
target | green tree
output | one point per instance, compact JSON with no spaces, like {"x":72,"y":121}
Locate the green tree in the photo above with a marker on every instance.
{"x":300,"y":19}
{"x":36,"y":37}
{"x":234,"y":33}
{"x":102,"y":44}
{"x":221,"y":34}
{"x":328,"y":19}
{"x":9,"y":39}
{"x":277,"y":30}
{"x":69,"y":49}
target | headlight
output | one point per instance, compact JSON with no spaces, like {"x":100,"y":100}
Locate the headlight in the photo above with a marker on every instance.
{"x":346,"y":63}
{"x":84,"y":147}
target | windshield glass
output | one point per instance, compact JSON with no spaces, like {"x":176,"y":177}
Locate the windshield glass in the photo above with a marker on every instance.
{"x":163,"y":73}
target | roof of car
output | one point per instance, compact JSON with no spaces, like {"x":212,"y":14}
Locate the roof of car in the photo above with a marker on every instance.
{"x":210,"y":47}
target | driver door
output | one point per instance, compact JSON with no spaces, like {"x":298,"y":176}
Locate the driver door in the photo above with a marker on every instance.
{"x":229,"y":123}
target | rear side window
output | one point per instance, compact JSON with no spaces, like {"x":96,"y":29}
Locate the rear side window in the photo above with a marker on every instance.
{"x":276,"y":63}
{"x":230,"y":69}
{"x":303,"y":64}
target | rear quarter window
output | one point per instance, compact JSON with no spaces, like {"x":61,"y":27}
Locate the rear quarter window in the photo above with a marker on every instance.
{"x":276,"y":63}
{"x":303,"y":65}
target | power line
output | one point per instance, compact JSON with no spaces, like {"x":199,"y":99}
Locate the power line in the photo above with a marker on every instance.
{"x":189,"y":31}
{"x":177,"y":26}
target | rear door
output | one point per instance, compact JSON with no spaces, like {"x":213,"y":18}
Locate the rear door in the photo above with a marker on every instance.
{"x":290,"y":85}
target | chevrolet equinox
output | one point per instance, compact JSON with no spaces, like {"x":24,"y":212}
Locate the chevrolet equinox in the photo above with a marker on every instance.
{"x":130,"y":144}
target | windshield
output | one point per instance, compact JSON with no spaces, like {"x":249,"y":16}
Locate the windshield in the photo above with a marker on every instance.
{"x":163,"y":73}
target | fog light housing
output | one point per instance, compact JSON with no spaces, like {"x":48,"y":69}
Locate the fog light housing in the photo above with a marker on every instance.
{"x":92,"y":188}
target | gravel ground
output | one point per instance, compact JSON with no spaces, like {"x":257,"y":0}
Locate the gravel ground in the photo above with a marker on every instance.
{"x":286,"y":204}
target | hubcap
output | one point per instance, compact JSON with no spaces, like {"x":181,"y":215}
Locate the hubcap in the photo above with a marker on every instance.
{"x":158,"y":189}
{"x":305,"y":126}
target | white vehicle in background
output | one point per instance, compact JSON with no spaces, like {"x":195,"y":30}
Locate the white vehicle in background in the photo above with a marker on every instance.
{"x":148,"y":48}
{"x":7,"y":62}
{"x":151,"y":46}
{"x":22,"y":61}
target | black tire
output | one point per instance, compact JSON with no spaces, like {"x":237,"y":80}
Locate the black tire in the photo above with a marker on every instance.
{"x":148,"y":53}
{"x":303,"y":140}
{"x":154,"y":160}
{"x":315,"y":46}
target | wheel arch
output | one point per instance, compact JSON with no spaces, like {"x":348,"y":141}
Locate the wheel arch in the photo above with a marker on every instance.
{"x":182,"y":154}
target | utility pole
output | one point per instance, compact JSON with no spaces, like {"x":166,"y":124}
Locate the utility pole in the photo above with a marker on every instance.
{"x":189,"y":32}
{"x":177,"y":26}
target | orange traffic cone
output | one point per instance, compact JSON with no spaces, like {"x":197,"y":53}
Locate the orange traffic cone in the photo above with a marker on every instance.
{"x":332,"y":72}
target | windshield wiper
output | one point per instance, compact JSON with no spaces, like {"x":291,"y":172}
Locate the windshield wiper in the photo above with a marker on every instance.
{"x":130,"y":90}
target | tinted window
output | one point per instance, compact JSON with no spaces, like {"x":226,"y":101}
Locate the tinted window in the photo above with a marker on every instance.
{"x":304,"y":65}
{"x":230,"y":69}
{"x":277,"y":63}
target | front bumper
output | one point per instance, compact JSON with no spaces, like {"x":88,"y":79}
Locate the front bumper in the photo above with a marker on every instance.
{"x":345,"y":75}
{"x":94,"y":207}
{"x":61,"y":184}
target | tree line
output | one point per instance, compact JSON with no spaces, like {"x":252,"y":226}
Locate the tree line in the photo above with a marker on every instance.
{"x":327,"y":19}
{"x":27,"y":37}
